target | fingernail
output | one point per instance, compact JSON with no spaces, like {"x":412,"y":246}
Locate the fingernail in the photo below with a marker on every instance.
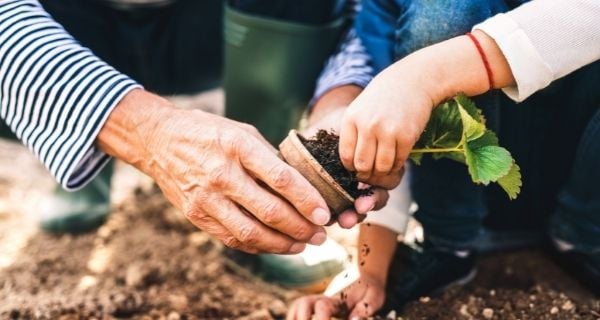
{"x":297,"y":248}
{"x":320,"y":216}
{"x":361,"y":205}
{"x":318,"y":239}
{"x":371,"y":207}
{"x":362,"y":186}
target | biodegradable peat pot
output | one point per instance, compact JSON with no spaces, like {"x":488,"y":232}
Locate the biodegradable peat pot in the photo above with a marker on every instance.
{"x":296,"y":155}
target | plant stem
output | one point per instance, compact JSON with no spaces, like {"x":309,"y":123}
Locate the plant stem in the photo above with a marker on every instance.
{"x":436,"y":150}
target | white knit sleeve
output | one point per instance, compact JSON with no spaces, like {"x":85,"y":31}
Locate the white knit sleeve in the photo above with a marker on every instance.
{"x":544,"y":40}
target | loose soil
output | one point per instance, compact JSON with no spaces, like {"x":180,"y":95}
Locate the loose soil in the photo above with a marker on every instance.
{"x":148,"y":262}
{"x":324,"y":147}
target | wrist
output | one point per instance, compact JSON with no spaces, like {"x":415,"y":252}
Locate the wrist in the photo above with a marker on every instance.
{"x":442,"y":70}
{"x":336,"y":98}
{"x":374,"y":277}
{"x":131,"y":125}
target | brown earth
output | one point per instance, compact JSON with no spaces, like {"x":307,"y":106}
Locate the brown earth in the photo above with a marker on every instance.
{"x":147,"y":262}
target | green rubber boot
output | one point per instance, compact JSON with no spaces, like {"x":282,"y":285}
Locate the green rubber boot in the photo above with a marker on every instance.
{"x":74,"y":212}
{"x":80,"y":211}
{"x":271,"y":67}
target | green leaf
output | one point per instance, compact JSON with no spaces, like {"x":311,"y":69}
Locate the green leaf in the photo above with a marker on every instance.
{"x":456,"y":156}
{"x":456,"y":130}
{"x":416,"y":158}
{"x":471,"y":128}
{"x":444,"y":129}
{"x":470,"y":107}
{"x":489,"y":138}
{"x":487,"y":164}
{"x":511,"y":182}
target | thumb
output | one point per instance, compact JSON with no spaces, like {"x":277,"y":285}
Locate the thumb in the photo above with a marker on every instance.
{"x":368,"y":305}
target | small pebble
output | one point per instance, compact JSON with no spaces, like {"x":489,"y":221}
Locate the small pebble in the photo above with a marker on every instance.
{"x":521,"y":304}
{"x":554,"y":310}
{"x":262,"y":314}
{"x":173,"y":316}
{"x":487,"y":313}
{"x":463,"y":310}
{"x":568,"y":305}
{"x":178,"y":302}
{"x":135,"y":275}
{"x":278,"y":308}
{"x":424,"y":299}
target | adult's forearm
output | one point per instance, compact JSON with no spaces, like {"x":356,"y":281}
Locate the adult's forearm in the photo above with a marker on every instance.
{"x":339,"y":97}
{"x":55,"y":94}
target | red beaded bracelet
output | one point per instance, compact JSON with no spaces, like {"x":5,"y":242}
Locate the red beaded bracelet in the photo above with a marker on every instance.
{"x":486,"y":63}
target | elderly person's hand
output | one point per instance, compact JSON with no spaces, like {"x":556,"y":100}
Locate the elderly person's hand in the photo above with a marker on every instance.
{"x":327,"y":114}
{"x":221,"y":174}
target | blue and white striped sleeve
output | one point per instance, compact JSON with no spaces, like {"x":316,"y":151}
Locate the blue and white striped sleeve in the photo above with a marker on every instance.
{"x":55,"y":94}
{"x":350,"y":65}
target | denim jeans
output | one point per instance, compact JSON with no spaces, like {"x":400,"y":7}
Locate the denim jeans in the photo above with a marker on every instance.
{"x":554,"y":136}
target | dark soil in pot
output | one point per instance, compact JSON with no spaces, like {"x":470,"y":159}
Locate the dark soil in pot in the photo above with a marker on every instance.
{"x":324,"y":147}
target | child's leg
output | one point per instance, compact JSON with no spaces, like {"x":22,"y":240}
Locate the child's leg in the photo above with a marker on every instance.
{"x":577,"y":218}
{"x":425,"y":22}
{"x":451,"y":206}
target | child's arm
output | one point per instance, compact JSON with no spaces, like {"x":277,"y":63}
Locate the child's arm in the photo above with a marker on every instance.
{"x":366,"y":295}
{"x":382,"y":124}
{"x":377,"y":245}
{"x":526,"y":48}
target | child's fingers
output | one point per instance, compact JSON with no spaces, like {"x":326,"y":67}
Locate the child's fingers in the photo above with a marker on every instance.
{"x":374,"y":201}
{"x":381,"y":197}
{"x":388,"y":181}
{"x":348,"y":143}
{"x":368,"y":305}
{"x":364,"y":155}
{"x":324,"y":309}
{"x":302,"y":309}
{"x":292,"y":312}
{"x":386,"y":153}
{"x":348,"y":219}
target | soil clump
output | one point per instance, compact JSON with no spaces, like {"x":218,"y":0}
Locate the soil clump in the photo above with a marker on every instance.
{"x":324,"y":147}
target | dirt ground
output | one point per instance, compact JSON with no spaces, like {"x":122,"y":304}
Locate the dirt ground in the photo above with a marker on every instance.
{"x":147,"y":262}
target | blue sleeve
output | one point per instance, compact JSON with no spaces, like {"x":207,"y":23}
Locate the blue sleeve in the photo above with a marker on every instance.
{"x":350,"y":64}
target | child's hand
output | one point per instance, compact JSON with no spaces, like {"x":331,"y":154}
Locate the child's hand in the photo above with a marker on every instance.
{"x":330,"y":118}
{"x":361,"y":299}
{"x":381,"y":126}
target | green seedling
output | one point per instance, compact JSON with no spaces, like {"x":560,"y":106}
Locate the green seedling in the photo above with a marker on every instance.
{"x":456,"y":130}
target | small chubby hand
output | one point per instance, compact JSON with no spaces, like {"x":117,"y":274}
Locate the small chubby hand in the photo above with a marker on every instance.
{"x":330,"y":120}
{"x":361,"y":299}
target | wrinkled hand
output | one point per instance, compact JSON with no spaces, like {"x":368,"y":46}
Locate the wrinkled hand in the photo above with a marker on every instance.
{"x":331,"y":120}
{"x":222,"y":175}
{"x":361,"y":299}
{"x":381,"y":126}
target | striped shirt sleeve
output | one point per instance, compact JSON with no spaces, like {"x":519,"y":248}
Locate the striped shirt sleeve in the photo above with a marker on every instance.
{"x":55,"y":94}
{"x":350,"y":64}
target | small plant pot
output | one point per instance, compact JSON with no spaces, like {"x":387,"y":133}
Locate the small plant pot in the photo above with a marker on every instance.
{"x":296,"y":155}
